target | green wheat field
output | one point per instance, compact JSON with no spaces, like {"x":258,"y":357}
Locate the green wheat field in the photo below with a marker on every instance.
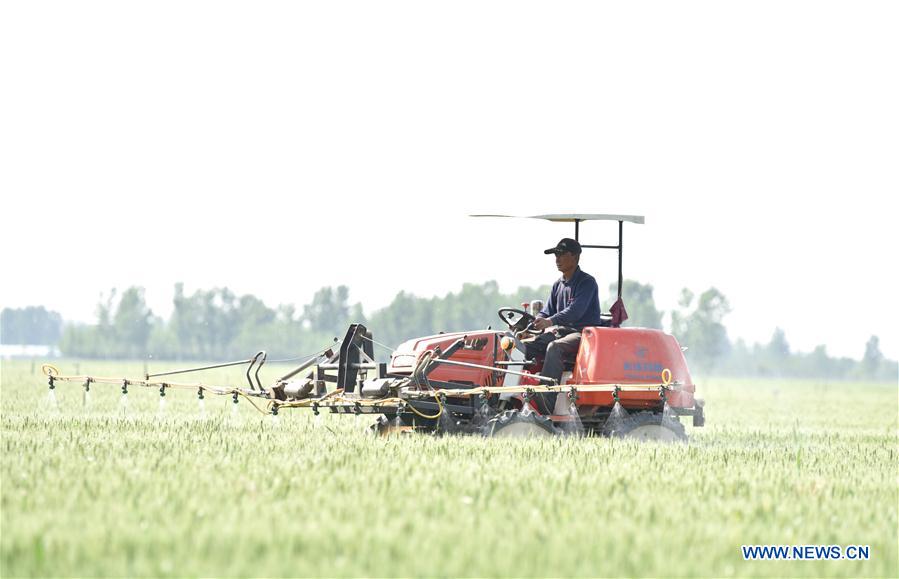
{"x":88,"y":491}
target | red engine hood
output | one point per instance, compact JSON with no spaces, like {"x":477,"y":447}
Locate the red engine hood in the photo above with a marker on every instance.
{"x":482,"y":349}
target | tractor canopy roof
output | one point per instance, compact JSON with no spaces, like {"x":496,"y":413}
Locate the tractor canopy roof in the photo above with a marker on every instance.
{"x":575,"y":217}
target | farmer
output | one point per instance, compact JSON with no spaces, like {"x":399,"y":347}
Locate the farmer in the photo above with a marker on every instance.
{"x":573,"y":304}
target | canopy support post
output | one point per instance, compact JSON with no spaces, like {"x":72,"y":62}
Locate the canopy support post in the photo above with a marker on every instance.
{"x":620,"y":250}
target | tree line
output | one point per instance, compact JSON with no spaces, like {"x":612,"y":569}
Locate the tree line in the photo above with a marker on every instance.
{"x":34,"y":325}
{"x":217,"y":324}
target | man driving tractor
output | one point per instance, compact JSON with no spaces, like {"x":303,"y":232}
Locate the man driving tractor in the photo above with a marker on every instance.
{"x":573,"y":304}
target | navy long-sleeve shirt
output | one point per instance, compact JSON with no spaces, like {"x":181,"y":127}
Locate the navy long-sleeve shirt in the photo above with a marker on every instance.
{"x":573,"y":303}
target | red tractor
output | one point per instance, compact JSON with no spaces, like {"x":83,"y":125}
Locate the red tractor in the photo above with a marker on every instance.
{"x":624,"y":382}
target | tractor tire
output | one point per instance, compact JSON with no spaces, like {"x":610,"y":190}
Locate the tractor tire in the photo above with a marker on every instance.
{"x":649,"y":426}
{"x":514,"y":424}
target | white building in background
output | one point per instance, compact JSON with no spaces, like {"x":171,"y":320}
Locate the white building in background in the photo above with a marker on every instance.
{"x":9,"y":351}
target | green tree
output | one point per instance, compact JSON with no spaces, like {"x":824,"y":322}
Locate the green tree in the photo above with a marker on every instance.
{"x":30,"y":325}
{"x":819,"y":363}
{"x":778,"y":348}
{"x":701,"y":326}
{"x":205,"y":322}
{"x":402,"y":319}
{"x":79,"y":340}
{"x":639,"y":303}
{"x":132,"y":324}
{"x":873,"y":358}
{"x":254,"y":319}
{"x":163,"y":343}
{"x":330,"y":311}
{"x":680,"y":317}
{"x":104,"y":331}
{"x":123,"y":328}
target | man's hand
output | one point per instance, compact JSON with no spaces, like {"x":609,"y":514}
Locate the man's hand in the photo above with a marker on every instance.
{"x":542,"y":323}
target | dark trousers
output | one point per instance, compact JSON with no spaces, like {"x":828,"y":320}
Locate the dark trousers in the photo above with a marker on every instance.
{"x":560,"y":343}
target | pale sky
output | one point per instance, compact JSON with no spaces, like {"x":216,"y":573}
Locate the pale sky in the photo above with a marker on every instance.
{"x":279,"y":147}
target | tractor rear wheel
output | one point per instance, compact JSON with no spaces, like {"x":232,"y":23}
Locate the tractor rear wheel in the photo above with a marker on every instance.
{"x":649,"y":426}
{"x":514,"y":424}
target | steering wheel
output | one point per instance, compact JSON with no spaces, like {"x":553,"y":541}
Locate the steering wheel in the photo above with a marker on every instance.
{"x":518,"y":320}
